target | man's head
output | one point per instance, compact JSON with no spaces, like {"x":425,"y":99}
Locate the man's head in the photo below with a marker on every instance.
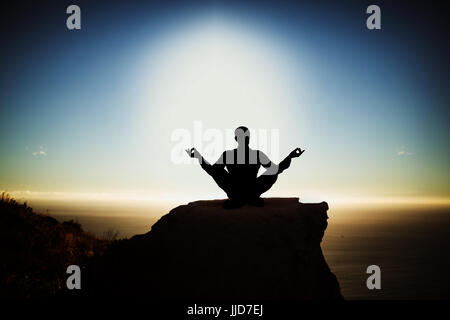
{"x":242,"y":135}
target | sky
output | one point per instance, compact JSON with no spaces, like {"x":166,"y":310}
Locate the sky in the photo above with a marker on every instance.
{"x":94,"y":113}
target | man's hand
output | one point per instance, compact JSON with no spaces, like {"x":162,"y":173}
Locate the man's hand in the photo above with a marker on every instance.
{"x":296,"y":153}
{"x":193,"y":153}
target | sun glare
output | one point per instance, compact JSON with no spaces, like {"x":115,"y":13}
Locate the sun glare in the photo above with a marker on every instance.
{"x":228,"y":75}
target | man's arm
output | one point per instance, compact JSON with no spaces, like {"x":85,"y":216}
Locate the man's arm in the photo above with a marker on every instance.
{"x":297,"y":152}
{"x":273,"y":168}
{"x":193,"y":153}
{"x":220,"y":163}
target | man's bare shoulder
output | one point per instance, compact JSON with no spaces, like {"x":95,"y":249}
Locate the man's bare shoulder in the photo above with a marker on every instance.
{"x":262,"y":157}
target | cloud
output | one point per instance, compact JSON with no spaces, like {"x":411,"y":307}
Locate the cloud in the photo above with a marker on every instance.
{"x":40,"y":153}
{"x":403,"y":152}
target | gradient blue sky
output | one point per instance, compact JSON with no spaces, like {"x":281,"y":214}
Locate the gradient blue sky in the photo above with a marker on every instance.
{"x":92,"y":111}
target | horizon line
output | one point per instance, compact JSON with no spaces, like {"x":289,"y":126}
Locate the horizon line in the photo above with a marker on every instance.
{"x":149,"y":198}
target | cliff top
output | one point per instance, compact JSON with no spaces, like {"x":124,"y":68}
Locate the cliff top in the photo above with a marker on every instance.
{"x":201,"y":250}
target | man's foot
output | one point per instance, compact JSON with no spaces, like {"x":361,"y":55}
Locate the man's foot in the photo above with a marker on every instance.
{"x":258,"y":202}
{"x":229,"y":204}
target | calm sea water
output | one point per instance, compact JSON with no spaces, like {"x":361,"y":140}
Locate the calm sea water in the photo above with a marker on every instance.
{"x":410,"y":246}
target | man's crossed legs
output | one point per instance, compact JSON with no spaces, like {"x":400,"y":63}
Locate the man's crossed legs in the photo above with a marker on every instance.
{"x":249,"y":193}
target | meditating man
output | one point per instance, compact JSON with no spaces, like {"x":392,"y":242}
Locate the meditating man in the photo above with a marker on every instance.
{"x":236,"y":171}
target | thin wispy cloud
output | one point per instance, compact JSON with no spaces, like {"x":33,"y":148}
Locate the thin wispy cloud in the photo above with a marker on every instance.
{"x":403,"y":152}
{"x":40,"y":153}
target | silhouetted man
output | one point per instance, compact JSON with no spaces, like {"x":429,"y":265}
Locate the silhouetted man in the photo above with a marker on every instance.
{"x":236,"y":171}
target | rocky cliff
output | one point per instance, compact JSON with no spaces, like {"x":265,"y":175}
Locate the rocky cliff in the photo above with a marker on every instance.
{"x":202,"y":251}
{"x":36,"y":249}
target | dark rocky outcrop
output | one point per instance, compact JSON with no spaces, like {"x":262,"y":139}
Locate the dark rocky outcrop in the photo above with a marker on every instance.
{"x":202,"y":251}
{"x":36,"y":249}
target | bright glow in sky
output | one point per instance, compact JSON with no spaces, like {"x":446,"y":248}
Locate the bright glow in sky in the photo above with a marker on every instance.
{"x":222,"y":76}
{"x":98,"y":113}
